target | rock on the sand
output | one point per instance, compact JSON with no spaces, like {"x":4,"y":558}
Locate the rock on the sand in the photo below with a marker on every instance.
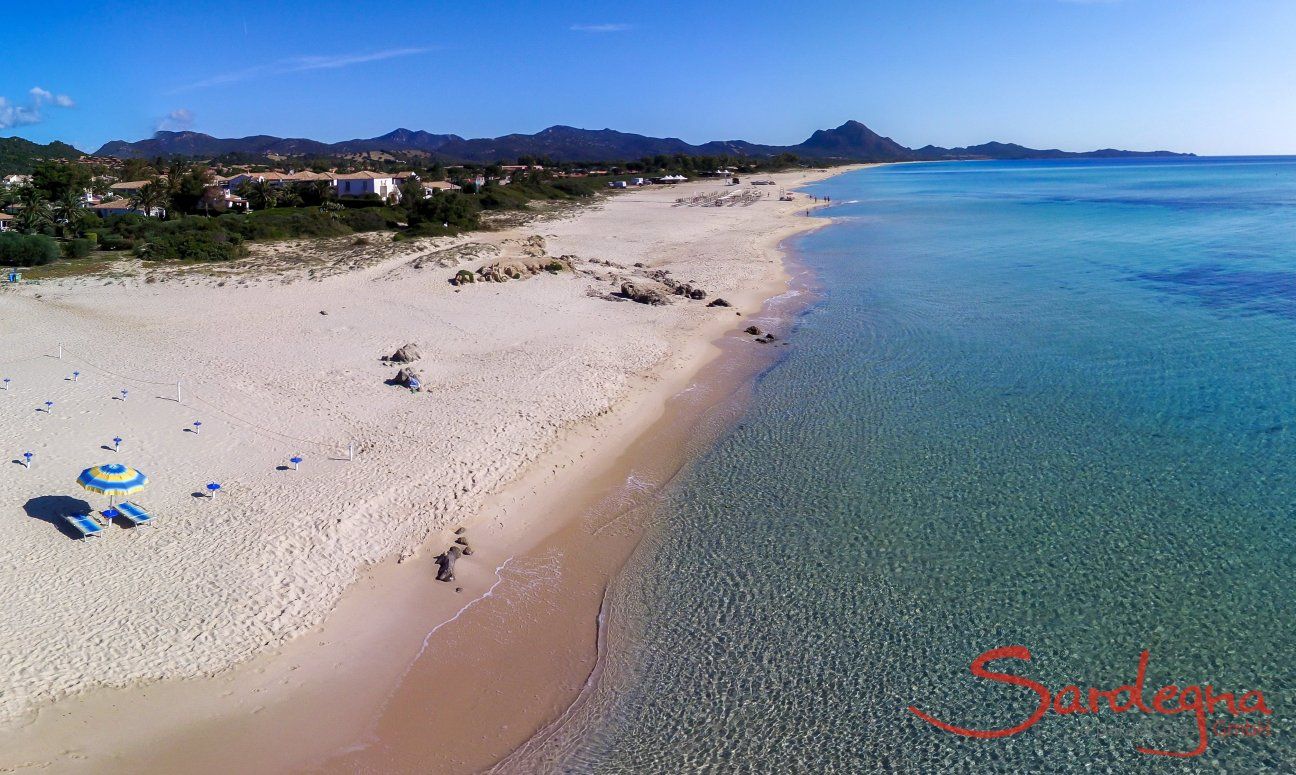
{"x":407,"y":354}
{"x":446,"y":563}
{"x":644,"y":294}
{"x":405,"y":376}
{"x":753,"y":330}
{"x":719,"y":302}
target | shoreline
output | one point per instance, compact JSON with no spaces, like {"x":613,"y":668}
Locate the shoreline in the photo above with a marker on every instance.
{"x":277,"y":704}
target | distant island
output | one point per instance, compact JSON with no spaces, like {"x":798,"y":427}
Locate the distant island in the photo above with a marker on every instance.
{"x":852,"y":141}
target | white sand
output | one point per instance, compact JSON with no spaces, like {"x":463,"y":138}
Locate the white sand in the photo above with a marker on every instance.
{"x":513,"y":368}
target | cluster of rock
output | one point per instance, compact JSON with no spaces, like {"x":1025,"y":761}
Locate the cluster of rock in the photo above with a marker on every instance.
{"x":532,"y":262}
{"x":657,"y":287}
{"x":654,"y":287}
{"x":407,"y":377}
{"x":446,"y":560}
{"x":763,"y":337}
{"x":645,"y":293}
{"x":522,"y":268}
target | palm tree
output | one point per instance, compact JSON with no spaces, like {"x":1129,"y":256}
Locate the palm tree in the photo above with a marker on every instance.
{"x":314,"y":192}
{"x":69,"y":212}
{"x":33,"y":210}
{"x":149,"y":197}
{"x":262,"y":194}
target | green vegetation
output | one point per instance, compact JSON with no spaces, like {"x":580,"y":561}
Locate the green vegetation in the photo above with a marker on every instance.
{"x":528,"y":187}
{"x":192,"y":222}
{"x":27,"y":249}
{"x":80,"y":247}
{"x":19,"y":156}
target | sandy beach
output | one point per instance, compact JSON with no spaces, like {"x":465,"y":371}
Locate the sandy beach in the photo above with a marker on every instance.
{"x":294,"y":611}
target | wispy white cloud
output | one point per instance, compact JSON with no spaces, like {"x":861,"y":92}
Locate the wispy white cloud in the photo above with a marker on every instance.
{"x":177,"y":120}
{"x":300,"y":64}
{"x":32,"y":111}
{"x":600,"y":27}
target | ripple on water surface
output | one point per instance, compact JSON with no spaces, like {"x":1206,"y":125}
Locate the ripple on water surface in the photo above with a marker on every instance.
{"x":1033,"y":407}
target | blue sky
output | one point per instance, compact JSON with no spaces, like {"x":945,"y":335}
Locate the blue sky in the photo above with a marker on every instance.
{"x":1209,"y":77}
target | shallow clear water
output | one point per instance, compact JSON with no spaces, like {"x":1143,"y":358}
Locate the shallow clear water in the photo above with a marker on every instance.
{"x":1047,"y":404}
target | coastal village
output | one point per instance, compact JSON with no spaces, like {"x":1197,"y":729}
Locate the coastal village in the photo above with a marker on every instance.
{"x":234,"y":190}
{"x":97,"y":209}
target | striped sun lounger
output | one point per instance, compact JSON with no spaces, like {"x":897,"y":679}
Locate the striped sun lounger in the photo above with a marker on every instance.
{"x":83,"y":524}
{"x":134,"y":513}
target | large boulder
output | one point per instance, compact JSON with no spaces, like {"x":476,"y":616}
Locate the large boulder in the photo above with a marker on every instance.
{"x":645,"y":294}
{"x":719,"y":302}
{"x":407,"y":354}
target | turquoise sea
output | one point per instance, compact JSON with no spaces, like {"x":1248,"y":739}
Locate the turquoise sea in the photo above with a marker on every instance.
{"x":1047,"y":404}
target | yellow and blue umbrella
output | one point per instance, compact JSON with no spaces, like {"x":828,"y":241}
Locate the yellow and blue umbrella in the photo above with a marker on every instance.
{"x":112,"y":479}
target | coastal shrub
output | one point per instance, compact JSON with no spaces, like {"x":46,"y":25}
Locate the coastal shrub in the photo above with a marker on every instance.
{"x":78,"y":248}
{"x":285,"y":223}
{"x":573,"y":189}
{"x":192,"y":245}
{"x":362,"y":202}
{"x":368,"y":219}
{"x":27,"y":249}
{"x":444,"y":211}
{"x":115,"y":242}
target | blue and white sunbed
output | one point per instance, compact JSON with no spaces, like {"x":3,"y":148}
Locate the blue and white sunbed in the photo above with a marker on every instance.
{"x":134,"y":513}
{"x":84,"y":524}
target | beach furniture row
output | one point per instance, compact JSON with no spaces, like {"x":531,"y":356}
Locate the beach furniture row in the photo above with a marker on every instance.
{"x":90,"y":525}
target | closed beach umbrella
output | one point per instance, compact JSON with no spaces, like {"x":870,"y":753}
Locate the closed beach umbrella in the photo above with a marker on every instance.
{"x":112,"y":479}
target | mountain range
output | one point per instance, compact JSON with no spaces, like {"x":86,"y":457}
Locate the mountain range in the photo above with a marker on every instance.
{"x":851,"y":141}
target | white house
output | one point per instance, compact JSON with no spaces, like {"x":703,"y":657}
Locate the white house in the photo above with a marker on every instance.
{"x":5,"y":220}
{"x":123,"y":207}
{"x":364,"y":183}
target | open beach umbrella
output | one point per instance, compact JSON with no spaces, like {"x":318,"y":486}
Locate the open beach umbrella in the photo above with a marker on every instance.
{"x":112,"y":479}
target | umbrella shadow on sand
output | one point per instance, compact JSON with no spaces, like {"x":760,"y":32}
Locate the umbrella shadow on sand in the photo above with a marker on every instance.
{"x":51,"y":508}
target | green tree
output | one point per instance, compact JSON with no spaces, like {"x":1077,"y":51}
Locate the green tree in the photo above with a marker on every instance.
{"x":412,"y":191}
{"x":33,"y":211}
{"x":315,"y":193}
{"x":136,"y":169}
{"x":69,"y":212}
{"x":185,"y":187}
{"x":151,"y":196}
{"x":261,"y":195}
{"x":57,"y":178}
